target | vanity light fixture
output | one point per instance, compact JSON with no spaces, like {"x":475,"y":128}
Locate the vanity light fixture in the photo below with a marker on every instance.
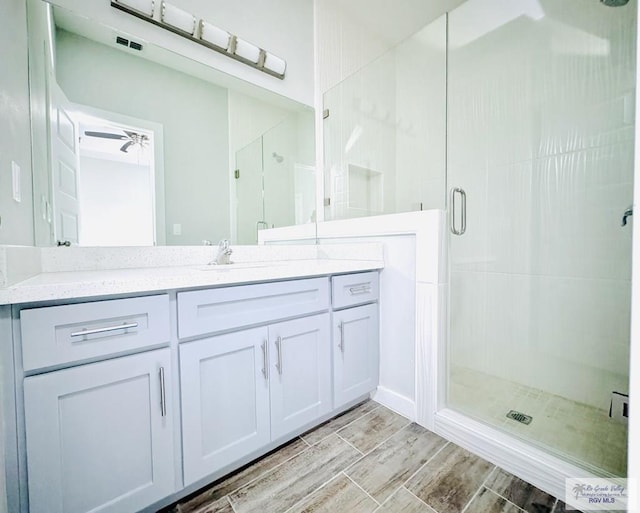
{"x":145,"y":7}
{"x":177,"y":18}
{"x":247,"y":51}
{"x":274,"y":63}
{"x":185,"y":24}
{"x":213,"y":35}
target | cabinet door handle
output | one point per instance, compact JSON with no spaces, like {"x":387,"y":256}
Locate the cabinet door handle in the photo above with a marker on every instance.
{"x":279,"y":349}
{"x":360,"y":289}
{"x":105,"y":330}
{"x":341,"y":344}
{"x":265,"y":360}
{"x":163,"y":397}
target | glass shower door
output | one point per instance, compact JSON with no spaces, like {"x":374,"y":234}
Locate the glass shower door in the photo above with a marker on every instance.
{"x":249,"y":187}
{"x":279,"y":148}
{"x":541,"y":101}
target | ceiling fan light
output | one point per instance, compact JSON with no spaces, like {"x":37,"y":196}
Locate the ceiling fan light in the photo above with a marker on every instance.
{"x":145,"y":7}
{"x":125,"y":147}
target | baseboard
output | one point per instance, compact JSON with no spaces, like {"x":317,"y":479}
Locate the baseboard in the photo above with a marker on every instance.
{"x":396,"y":402}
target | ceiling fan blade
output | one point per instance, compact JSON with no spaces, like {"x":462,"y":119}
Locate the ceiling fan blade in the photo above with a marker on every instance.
{"x":125,"y":147}
{"x":105,"y":135}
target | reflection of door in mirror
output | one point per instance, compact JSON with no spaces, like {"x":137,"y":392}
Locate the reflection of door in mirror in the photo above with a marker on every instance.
{"x":64,"y":168}
{"x":117,"y":189}
{"x":102,"y":176}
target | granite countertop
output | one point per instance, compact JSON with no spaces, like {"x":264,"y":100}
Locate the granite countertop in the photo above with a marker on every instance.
{"x":50,"y":286}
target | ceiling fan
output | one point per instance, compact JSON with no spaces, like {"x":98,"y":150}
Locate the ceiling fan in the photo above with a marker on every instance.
{"x":131,"y":138}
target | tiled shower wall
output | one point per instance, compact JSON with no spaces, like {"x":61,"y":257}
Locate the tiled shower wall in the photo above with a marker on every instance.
{"x":421,"y":109}
{"x":541,"y":137}
{"x":360,"y":143}
{"x":384,"y":138}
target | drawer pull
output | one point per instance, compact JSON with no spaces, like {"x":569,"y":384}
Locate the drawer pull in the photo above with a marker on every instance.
{"x":279,"y":349}
{"x":341,"y":344}
{"x":265,"y":360}
{"x":360,"y":289}
{"x":163,"y":397}
{"x":105,"y":330}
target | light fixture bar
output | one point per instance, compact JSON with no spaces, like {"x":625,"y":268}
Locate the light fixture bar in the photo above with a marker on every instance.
{"x":215,"y":36}
{"x":195,"y":37}
{"x":145,"y":7}
{"x":177,"y":18}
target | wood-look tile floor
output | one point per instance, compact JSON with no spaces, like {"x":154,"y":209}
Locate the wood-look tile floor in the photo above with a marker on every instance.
{"x":368,"y":460}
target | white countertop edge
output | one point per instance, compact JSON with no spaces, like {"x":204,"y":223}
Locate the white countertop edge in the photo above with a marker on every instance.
{"x":58,"y":286}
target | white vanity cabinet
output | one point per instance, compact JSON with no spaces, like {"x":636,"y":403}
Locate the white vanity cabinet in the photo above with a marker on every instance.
{"x":244,"y":389}
{"x":108,"y":424}
{"x":99,"y":436}
{"x":355,"y":336}
{"x":225,"y":400}
{"x":300,"y":373}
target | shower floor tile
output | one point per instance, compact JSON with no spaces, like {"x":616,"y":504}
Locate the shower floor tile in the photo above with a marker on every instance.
{"x":578,"y":432}
{"x":397,"y":467}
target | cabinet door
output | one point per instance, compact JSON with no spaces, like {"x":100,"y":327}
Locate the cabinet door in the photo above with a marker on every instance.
{"x":225,"y":400}
{"x":300,"y":354}
{"x":99,"y":436}
{"x":355,"y":349}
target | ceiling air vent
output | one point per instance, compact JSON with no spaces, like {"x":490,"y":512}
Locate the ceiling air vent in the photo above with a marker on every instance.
{"x":134,"y":45}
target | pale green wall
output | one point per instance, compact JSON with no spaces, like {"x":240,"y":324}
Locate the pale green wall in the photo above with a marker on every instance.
{"x":16,"y":226}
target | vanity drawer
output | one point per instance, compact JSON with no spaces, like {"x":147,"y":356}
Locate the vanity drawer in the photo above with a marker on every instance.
{"x":354,"y":289}
{"x":202,"y":312}
{"x":56,"y":335}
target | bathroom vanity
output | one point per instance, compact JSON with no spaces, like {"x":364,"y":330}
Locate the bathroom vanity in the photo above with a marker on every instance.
{"x":127,"y":402}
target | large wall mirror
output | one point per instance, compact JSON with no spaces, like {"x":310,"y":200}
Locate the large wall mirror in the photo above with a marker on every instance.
{"x":137,"y":145}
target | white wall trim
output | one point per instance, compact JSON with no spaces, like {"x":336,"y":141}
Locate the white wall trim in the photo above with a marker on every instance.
{"x":425,"y":225}
{"x":431,"y":333}
{"x":396,"y":402}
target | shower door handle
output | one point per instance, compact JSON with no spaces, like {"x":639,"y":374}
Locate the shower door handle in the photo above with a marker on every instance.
{"x":258,"y":225}
{"x":457,"y":191}
{"x":627,"y":213}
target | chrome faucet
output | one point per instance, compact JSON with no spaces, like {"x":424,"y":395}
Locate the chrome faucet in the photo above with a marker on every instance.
{"x":224,"y":253}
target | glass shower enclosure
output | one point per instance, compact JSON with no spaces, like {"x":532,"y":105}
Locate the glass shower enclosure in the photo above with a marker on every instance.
{"x":540,"y":173}
{"x":275,"y":178}
{"x":517,"y":118}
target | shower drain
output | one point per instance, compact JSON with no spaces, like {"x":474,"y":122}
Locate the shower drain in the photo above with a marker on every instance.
{"x":520,"y":417}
